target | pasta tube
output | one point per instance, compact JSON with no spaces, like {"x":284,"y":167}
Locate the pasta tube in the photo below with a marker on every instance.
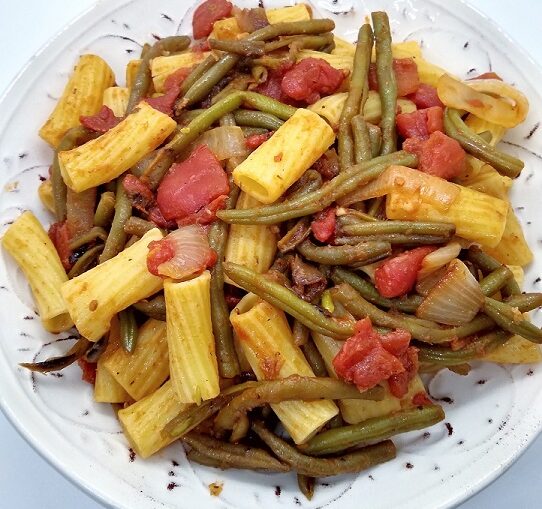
{"x":94,"y":297}
{"x":82,"y":96}
{"x":116,"y":99}
{"x":253,"y":246}
{"x":479,"y":125}
{"x":192,"y":360}
{"x":282,"y":157}
{"x":105,"y":158}
{"x":336,"y":60}
{"x":516,"y":350}
{"x":144,"y":421}
{"x":131,"y":71}
{"x":30,"y":246}
{"x":483,"y":177}
{"x":141,"y":372}
{"x":162,"y":67}
{"x":267,"y":341}
{"x":45,"y":192}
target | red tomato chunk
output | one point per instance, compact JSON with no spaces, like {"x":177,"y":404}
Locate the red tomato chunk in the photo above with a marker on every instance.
{"x":425,"y":97}
{"x":206,"y":14}
{"x":190,"y":186}
{"x":368,"y":358}
{"x":172,"y":88}
{"x":323,"y":226}
{"x":399,"y":383}
{"x":420,"y":123}
{"x":255,"y":140}
{"x":60,"y":237}
{"x":88,"y":371}
{"x":311,"y":78}
{"x":397,"y":276}
{"x":439,"y":155}
{"x":406,"y":76}
{"x":101,"y":122}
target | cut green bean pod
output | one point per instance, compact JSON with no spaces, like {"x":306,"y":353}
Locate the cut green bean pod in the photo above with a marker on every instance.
{"x":404,"y":227}
{"x":375,"y":137}
{"x":128,"y":330}
{"x":154,"y":308}
{"x":197,"y":72}
{"x":396,"y":239}
{"x":105,"y":209}
{"x":306,"y":485}
{"x":77,"y":351}
{"x":525,"y":302}
{"x":95,"y":233}
{"x":313,"y":356}
{"x":239,"y":47}
{"x":85,"y":261}
{"x":137,"y":226}
{"x":252,"y":118}
{"x":487,"y":264}
{"x":496,"y":280}
{"x":364,"y":252}
{"x":362,"y":140}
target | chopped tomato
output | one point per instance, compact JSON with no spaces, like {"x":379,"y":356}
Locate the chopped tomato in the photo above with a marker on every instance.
{"x":206,"y":14}
{"x":172,"y":88}
{"x":89,"y":371}
{"x":421,"y":399}
{"x":192,"y":185}
{"x":205,"y":215}
{"x":396,"y":342}
{"x":101,"y":122}
{"x":397,"y":276}
{"x":160,"y":251}
{"x":420,"y":123}
{"x":364,"y":360}
{"x":425,"y":97}
{"x":140,"y":193}
{"x":272,"y":87}
{"x":399,"y":382}
{"x":406,"y":76}
{"x":254,"y":141}
{"x":439,"y":155}
{"x":60,"y":236}
{"x":311,"y":78}
{"x":323,"y":226}
{"x":155,"y":216}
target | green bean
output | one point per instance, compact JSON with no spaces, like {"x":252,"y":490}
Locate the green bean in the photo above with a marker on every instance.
{"x":197,"y":72}
{"x":228,"y":364}
{"x":376,"y":205}
{"x":387,"y":85}
{"x":128,"y":330}
{"x":455,"y":128}
{"x":310,"y":181}
{"x":405,"y":227}
{"x":316,"y":201}
{"x":239,"y":83}
{"x":268,"y":105}
{"x":295,"y":235}
{"x":407,"y":304}
{"x":314,"y":358}
{"x":228,"y":120}
{"x":494,"y":281}
{"x":152,"y":168}
{"x":375,"y":136}
{"x":288,"y":301}
{"x":301,"y":41}
{"x":525,"y":302}
{"x":186,"y":116}
{"x":143,"y":78}
{"x":306,"y":485}
{"x":487,"y":264}
{"x":136,"y":226}
{"x":84,"y":262}
{"x":259,"y":73}
{"x":239,"y":47}
{"x":324,"y":467}
{"x":353,"y":216}
{"x":301,"y":333}
{"x":105,"y":209}
{"x":77,"y":351}
{"x":94,"y":233}
{"x":352,"y":105}
{"x":373,"y":430}
{"x":510,"y":320}
{"x":155,"y":308}
{"x":364,"y":252}
{"x":251,"y":131}
{"x":117,"y":237}
{"x":257,"y":119}
{"x":393,"y":238}
{"x":233,"y":456}
{"x":362,"y":141}
{"x":443,"y":356}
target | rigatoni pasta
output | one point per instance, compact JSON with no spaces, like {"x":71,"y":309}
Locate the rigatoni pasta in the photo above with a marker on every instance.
{"x":162,"y":67}
{"x":116,"y":99}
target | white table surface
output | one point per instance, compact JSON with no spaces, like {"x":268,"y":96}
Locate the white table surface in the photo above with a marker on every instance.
{"x":26,"y":480}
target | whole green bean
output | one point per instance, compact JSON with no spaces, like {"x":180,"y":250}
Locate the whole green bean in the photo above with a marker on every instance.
{"x":316,"y":201}
{"x":288,"y":301}
{"x":154,"y":308}
{"x":375,"y":136}
{"x":455,"y":128}
{"x":143,"y":78}
{"x":362,"y":141}
{"x":197,"y":72}
{"x":487,"y":264}
{"x":239,"y":47}
{"x":352,"y":105}
{"x":364,"y":252}
{"x":324,"y":467}
{"x":373,"y":430}
{"x":96,"y":232}
{"x":84,"y":262}
{"x":405,"y":227}
{"x":393,"y":238}
{"x":314,"y":358}
{"x":252,"y":118}
{"x":407,"y":304}
{"x":105,"y":209}
{"x":306,"y":485}
{"x":444,"y":356}
{"x":387,"y":85}
{"x":224,"y":455}
{"x":268,"y":105}
{"x":136,"y":226}
{"x":494,"y":281}
{"x":525,"y":302}
{"x":128,"y":330}
{"x":117,"y":237}
{"x":510,"y":320}
{"x":152,"y":168}
{"x":301,"y":41}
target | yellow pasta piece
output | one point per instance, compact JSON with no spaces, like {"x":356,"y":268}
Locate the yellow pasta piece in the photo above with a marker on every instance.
{"x":343,"y":47}
{"x":45,"y":192}
{"x":253,"y":246}
{"x":429,"y":73}
{"x":30,"y":246}
{"x":484,"y":178}
{"x":282,"y":158}
{"x":519,"y":274}
{"x":147,"y":367}
{"x":106,"y":388}
{"x":94,"y":297}
{"x":144,"y":421}
{"x":192,"y":360}
{"x":82,"y":96}
{"x":479,"y":125}
{"x":116,"y":99}
{"x":372,"y":109}
{"x":477,"y":216}
{"x":267,"y":341}
{"x":516,"y":350}
{"x":162,"y":67}
{"x":336,"y":60}
{"x":131,"y":71}
{"x":512,"y":248}
{"x":105,"y":158}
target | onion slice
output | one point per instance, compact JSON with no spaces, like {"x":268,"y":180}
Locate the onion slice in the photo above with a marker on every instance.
{"x":455,"y":299}
{"x":225,"y":142}
{"x":439,"y":258}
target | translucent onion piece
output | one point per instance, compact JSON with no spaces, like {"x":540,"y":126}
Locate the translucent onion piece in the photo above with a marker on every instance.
{"x":432,"y":190}
{"x":455,"y":299}
{"x":508,"y":109}
{"x":225,"y":142}
{"x":438,"y":259}
{"x":423,"y":286}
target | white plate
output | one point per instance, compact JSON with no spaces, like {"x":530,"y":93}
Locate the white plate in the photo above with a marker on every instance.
{"x":494,"y":412}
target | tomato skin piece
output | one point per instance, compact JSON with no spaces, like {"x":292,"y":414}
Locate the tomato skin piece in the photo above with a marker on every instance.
{"x":160,"y":251}
{"x":420,"y":123}
{"x":421,"y":399}
{"x":172,"y":88}
{"x":88,"y":371}
{"x":60,"y":237}
{"x":399,"y":382}
{"x":255,"y":140}
{"x":324,"y":224}
{"x":439,"y":155}
{"x":397,"y":276}
{"x":425,"y":96}
{"x":101,"y":122}
{"x":206,"y":14}
{"x":406,"y":76}
{"x":311,"y":78}
{"x":191,"y":185}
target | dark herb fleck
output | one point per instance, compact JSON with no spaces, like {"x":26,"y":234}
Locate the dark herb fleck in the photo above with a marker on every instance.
{"x":449,"y":428}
